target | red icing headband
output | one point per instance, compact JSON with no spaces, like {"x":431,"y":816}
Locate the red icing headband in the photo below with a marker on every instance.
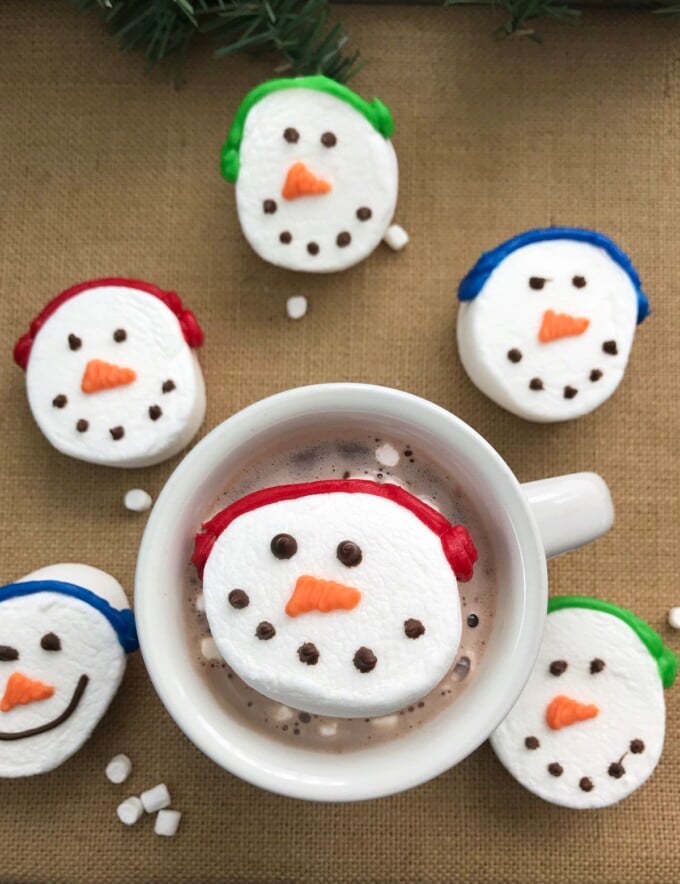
{"x":191,"y":330}
{"x":457,"y":544}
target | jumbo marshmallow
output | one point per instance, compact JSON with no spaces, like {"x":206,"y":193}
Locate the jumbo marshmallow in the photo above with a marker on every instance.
{"x":588,"y":729}
{"x":315,"y":172}
{"x":111,"y":373}
{"x":336,"y":597}
{"x":65,"y":632}
{"x":546,"y":322}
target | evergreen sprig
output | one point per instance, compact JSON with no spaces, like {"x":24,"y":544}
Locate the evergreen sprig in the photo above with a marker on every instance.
{"x":300,"y":30}
{"x":521,"y":14}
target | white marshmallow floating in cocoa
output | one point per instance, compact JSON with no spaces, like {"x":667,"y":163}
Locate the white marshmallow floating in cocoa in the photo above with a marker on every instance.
{"x":336,"y":597}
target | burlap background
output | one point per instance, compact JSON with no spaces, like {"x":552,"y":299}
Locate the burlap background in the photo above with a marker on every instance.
{"x":105,"y":171}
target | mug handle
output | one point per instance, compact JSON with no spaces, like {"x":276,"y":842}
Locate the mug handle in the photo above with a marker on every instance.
{"x":570,"y":510}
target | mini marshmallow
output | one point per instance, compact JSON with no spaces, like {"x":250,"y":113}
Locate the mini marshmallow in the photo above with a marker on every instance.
{"x":130,"y":811}
{"x":384,"y":722}
{"x":387,"y":455}
{"x":328,"y":730}
{"x":209,"y":649}
{"x":200,"y":603}
{"x":296,"y":307}
{"x":156,"y":798}
{"x":283,"y":713}
{"x":118,"y":769}
{"x":674,"y":618}
{"x":396,"y":237}
{"x":336,"y":597}
{"x":167,"y":822}
{"x":137,"y":500}
{"x":315,"y":172}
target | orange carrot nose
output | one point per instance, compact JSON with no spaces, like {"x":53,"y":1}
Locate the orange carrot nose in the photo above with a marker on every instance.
{"x":22,"y":690}
{"x":101,"y":375}
{"x":301,"y":182}
{"x":560,"y":325}
{"x":313,"y":594}
{"x":563,"y":711}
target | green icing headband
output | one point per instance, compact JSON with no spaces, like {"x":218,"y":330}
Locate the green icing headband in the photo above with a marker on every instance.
{"x":377,"y":114}
{"x":666,"y":660}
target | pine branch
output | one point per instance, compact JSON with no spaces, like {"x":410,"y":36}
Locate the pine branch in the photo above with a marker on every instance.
{"x":669,"y":7}
{"x":521,"y":12}
{"x":300,"y":30}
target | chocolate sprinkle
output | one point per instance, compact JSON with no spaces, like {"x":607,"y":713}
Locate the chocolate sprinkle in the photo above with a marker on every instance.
{"x":8,"y":653}
{"x":349,"y":553}
{"x":269,"y":207}
{"x":532,"y":742}
{"x":82,"y":426}
{"x":536,"y":282}
{"x":308,"y":653}
{"x":364,"y":213}
{"x":570,"y":392}
{"x":596,"y":666}
{"x":50,"y":642}
{"x":343,"y":239}
{"x":291,"y":135}
{"x":637,"y":746}
{"x":155,"y":411}
{"x":472,"y":620}
{"x":238,"y":598}
{"x":286,"y":237}
{"x":313,"y":248}
{"x":413,"y":628}
{"x":595,"y":375}
{"x":365,"y":660}
{"x":120,"y":335}
{"x":555,"y":769}
{"x":514,"y":355}
{"x":168,"y":386}
{"x":535,"y":384}
{"x":578,"y":282}
{"x":265,"y":631}
{"x":558,"y":667}
{"x":117,"y":433}
{"x":74,"y":342}
{"x":616,"y":770}
{"x":283,"y":546}
{"x":610,"y":347}
{"x":328,"y":139}
{"x":59,"y":401}
{"x":586,"y":784}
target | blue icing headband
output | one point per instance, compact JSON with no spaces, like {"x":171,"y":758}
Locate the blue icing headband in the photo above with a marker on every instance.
{"x":476,"y":279}
{"x":123,"y":622}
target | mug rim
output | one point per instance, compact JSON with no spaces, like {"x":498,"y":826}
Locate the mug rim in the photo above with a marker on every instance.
{"x":238,"y":755}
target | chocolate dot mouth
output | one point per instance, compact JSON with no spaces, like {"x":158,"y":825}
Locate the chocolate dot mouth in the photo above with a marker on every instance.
{"x":60,"y":719}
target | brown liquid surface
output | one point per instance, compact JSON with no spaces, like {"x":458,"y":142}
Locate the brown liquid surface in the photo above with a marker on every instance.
{"x":335,"y":456}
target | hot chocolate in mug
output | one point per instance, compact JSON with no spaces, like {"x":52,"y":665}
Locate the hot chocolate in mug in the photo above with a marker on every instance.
{"x":524,"y":524}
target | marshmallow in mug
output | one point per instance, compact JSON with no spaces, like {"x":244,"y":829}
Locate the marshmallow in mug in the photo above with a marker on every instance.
{"x":337,"y":597}
{"x":315,"y":172}
{"x":111,"y":373}
{"x":588,"y":728}
{"x":65,"y":633}
{"x":546,"y":322}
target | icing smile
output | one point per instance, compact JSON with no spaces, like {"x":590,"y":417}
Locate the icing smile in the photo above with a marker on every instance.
{"x":60,"y":719}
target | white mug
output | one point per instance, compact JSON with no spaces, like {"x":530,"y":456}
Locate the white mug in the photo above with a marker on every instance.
{"x":525,"y":524}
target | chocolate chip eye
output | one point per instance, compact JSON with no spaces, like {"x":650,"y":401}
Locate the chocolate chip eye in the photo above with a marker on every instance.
{"x":119,"y":335}
{"x":8,"y":653}
{"x":537,"y":282}
{"x":168,"y":386}
{"x":328,"y":139}
{"x":291,"y":135}
{"x":596,"y":666}
{"x":74,"y":342}
{"x":349,"y":553}
{"x":558,"y":667}
{"x":283,"y":546}
{"x":50,"y":642}
{"x":578,"y":282}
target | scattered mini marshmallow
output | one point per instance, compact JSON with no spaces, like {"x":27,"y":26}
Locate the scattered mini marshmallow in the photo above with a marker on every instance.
{"x":387,"y":455}
{"x":130,"y":811}
{"x":384,"y":722}
{"x":200,"y":603}
{"x":209,"y":649}
{"x":674,"y":618}
{"x":328,"y":730}
{"x":156,"y":798}
{"x":396,"y":237}
{"x":137,"y":500}
{"x":167,"y":822}
{"x":296,"y":306}
{"x":118,"y":769}
{"x":283,"y":713}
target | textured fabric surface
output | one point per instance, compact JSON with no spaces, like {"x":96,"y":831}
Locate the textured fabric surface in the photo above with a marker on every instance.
{"x":104,"y":171}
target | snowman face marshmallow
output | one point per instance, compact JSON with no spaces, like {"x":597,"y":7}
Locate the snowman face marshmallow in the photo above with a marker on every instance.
{"x":547,"y":321}
{"x":111,"y":375}
{"x":335,"y":597}
{"x":588,"y":729}
{"x":316,"y":175}
{"x":62,"y":656}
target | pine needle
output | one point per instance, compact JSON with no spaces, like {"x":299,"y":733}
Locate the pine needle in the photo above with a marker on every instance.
{"x":521,"y":12}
